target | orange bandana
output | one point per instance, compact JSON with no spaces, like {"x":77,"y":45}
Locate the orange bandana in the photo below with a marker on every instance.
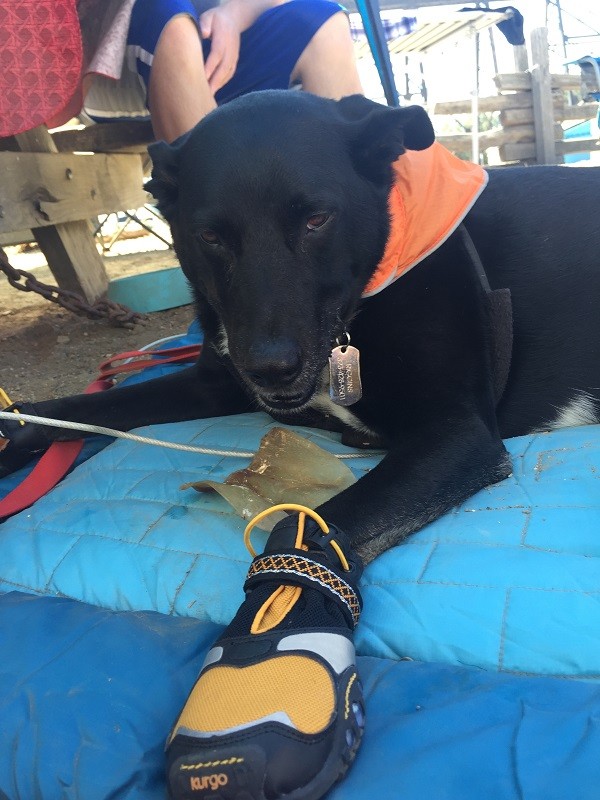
{"x":432,"y":194}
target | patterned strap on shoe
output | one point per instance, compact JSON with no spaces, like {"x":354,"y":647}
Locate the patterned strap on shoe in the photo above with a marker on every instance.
{"x":302,"y":570}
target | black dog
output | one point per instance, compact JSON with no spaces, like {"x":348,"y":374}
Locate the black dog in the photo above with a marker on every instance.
{"x":278,"y":204}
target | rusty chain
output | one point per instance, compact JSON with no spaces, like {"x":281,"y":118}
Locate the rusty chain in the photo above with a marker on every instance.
{"x":117,"y":314}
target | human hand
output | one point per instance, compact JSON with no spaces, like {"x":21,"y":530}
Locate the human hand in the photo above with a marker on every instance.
{"x":223,"y":28}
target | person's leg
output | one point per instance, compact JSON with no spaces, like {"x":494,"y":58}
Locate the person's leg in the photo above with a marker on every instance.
{"x":306,"y":41}
{"x":178,"y":92}
{"x":303,"y":41}
{"x":327,"y":66}
{"x":164,"y":48}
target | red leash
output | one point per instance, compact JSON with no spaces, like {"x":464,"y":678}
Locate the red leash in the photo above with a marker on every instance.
{"x":60,"y":456}
{"x":136,"y":360}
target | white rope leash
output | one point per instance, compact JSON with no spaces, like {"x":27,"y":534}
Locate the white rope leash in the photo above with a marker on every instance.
{"x":133,"y":437}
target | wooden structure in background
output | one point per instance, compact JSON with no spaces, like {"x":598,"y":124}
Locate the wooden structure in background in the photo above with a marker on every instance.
{"x":54,"y":184}
{"x":531,"y":106}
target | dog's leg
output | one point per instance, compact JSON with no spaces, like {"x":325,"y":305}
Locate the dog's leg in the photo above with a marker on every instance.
{"x":420,"y":479}
{"x":204,"y":390}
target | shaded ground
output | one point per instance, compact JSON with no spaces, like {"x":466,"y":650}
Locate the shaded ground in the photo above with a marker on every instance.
{"x":48,"y":352}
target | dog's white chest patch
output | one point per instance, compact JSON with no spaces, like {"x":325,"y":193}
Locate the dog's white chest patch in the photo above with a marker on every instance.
{"x":322,"y":402}
{"x":222,"y":344}
{"x":582,"y":410}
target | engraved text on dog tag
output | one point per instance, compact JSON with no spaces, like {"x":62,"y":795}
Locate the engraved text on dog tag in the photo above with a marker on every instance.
{"x":344,"y":375}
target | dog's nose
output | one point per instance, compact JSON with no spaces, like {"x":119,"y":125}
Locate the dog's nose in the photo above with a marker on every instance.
{"x":274,"y":362}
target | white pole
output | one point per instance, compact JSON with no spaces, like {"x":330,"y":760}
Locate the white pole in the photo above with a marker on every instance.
{"x":475,"y":105}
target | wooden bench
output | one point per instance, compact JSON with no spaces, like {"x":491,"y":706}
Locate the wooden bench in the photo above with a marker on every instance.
{"x":55,"y":183}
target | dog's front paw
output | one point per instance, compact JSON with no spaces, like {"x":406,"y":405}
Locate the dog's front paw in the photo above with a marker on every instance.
{"x":20,"y":441}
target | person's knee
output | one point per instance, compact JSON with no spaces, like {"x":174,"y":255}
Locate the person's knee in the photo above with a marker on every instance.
{"x":334,"y":32}
{"x":327,"y":65}
{"x":180,"y":33}
{"x":331,"y":43}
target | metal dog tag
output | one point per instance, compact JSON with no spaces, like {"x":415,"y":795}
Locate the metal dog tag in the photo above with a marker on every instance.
{"x":344,"y":375}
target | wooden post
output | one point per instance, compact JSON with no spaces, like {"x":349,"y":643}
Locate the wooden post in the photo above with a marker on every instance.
{"x":69,"y":247}
{"x":543,"y":114}
{"x":521,"y":58}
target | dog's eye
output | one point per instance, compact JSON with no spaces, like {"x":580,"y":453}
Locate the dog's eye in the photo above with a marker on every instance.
{"x":316,"y":221}
{"x":210,"y":237}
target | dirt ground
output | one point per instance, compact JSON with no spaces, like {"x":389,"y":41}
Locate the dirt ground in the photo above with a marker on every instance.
{"x":48,"y":352}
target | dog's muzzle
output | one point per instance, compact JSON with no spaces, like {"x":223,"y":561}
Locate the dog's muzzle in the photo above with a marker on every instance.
{"x":276,"y":370}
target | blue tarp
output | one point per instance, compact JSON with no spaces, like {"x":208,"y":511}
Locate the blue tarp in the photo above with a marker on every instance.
{"x":508,"y":581}
{"x":87,"y":697}
{"x":489,"y":600}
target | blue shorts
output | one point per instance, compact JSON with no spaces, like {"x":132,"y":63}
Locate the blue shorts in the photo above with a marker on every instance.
{"x":269,"y":49}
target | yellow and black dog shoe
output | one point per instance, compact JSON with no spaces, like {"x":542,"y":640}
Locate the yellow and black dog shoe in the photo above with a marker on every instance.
{"x":277,"y":711}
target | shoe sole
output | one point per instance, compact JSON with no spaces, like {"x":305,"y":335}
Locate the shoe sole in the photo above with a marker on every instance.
{"x":347,"y":739}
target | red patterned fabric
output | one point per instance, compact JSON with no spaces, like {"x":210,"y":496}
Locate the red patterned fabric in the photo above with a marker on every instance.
{"x":40,"y":62}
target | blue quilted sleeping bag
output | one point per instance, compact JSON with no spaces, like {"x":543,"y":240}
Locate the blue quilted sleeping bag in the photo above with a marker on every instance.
{"x":116,"y":583}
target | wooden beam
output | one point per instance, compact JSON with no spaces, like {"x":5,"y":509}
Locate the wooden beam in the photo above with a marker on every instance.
{"x":516,"y":116}
{"x":524,"y":116}
{"x":526,"y":152}
{"x":40,"y":189}
{"x":587,"y":145}
{"x":543,"y":114}
{"x":521,"y":81}
{"x":460,"y":141}
{"x":494,"y":103}
{"x":582,"y":111}
{"x":16,"y":237}
{"x":495,"y":138}
{"x":521,"y":57}
{"x":517,"y":152}
{"x":105,"y":138}
{"x":69,"y":248}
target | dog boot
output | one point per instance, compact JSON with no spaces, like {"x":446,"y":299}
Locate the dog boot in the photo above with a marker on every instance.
{"x":277,"y":711}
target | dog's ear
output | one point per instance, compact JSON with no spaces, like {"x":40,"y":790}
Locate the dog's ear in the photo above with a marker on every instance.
{"x":380,"y":134}
{"x":165,"y":166}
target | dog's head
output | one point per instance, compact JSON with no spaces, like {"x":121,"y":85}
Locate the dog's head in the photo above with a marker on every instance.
{"x":278,"y":207}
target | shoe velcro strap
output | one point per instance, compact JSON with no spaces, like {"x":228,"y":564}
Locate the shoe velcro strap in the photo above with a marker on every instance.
{"x":300,"y":570}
